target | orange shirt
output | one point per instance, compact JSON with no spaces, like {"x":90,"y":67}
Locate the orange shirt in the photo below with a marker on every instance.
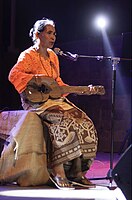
{"x":30,"y":63}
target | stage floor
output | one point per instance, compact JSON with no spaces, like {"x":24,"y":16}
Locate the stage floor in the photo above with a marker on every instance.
{"x":105,"y":189}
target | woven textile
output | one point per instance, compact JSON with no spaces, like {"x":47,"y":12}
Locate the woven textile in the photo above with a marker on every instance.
{"x":24,"y":159}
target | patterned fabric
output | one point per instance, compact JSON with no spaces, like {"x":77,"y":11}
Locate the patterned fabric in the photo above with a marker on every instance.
{"x":23,"y":159}
{"x":72,"y":134}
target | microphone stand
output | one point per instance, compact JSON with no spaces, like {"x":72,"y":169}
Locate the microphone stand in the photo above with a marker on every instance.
{"x":115,"y":61}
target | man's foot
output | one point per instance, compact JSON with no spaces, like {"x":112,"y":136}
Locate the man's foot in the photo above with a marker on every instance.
{"x":61,"y":183}
{"x":83,"y":182}
{"x":58,"y":177}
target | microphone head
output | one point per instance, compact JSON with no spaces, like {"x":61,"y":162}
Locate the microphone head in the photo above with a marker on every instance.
{"x":57,"y":51}
{"x":68,"y":55}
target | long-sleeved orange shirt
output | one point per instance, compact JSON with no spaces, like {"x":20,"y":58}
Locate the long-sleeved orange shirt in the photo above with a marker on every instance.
{"x":31,"y":63}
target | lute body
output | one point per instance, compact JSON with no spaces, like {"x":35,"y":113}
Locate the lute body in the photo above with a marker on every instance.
{"x":40,"y":89}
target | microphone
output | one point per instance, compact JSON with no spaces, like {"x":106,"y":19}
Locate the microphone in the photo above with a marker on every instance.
{"x":67,"y":54}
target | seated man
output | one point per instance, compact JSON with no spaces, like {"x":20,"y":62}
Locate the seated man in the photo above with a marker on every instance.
{"x":72,"y":135}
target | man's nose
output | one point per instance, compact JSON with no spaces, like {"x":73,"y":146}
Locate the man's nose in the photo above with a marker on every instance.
{"x":53,"y":37}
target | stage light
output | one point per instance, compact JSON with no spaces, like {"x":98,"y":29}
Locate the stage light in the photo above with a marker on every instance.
{"x":101,"y":22}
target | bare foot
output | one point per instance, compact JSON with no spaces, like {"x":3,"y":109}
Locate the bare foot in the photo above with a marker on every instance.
{"x":59,"y":178}
{"x":59,"y":171}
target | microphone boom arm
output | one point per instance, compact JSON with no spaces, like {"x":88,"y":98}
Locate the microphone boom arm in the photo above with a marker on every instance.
{"x":74,"y":57}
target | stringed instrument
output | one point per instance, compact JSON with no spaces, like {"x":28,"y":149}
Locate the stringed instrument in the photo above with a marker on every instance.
{"x":40,"y":89}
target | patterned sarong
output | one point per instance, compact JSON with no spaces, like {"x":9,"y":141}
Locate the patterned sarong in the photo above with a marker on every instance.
{"x":72,"y":134}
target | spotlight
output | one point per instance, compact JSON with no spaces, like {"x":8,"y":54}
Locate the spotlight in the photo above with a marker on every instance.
{"x":101,"y":22}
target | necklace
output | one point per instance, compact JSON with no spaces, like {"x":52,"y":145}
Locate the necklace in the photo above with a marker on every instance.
{"x":52,"y":66}
{"x":50,"y":73}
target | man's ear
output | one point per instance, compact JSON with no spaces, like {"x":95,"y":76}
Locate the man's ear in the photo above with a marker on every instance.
{"x":37,"y":35}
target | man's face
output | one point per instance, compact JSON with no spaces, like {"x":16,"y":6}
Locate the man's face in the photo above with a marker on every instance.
{"x":48,"y":36}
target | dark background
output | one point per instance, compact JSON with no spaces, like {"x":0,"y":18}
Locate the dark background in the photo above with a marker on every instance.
{"x":77,"y":34}
{"x":73,"y":18}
